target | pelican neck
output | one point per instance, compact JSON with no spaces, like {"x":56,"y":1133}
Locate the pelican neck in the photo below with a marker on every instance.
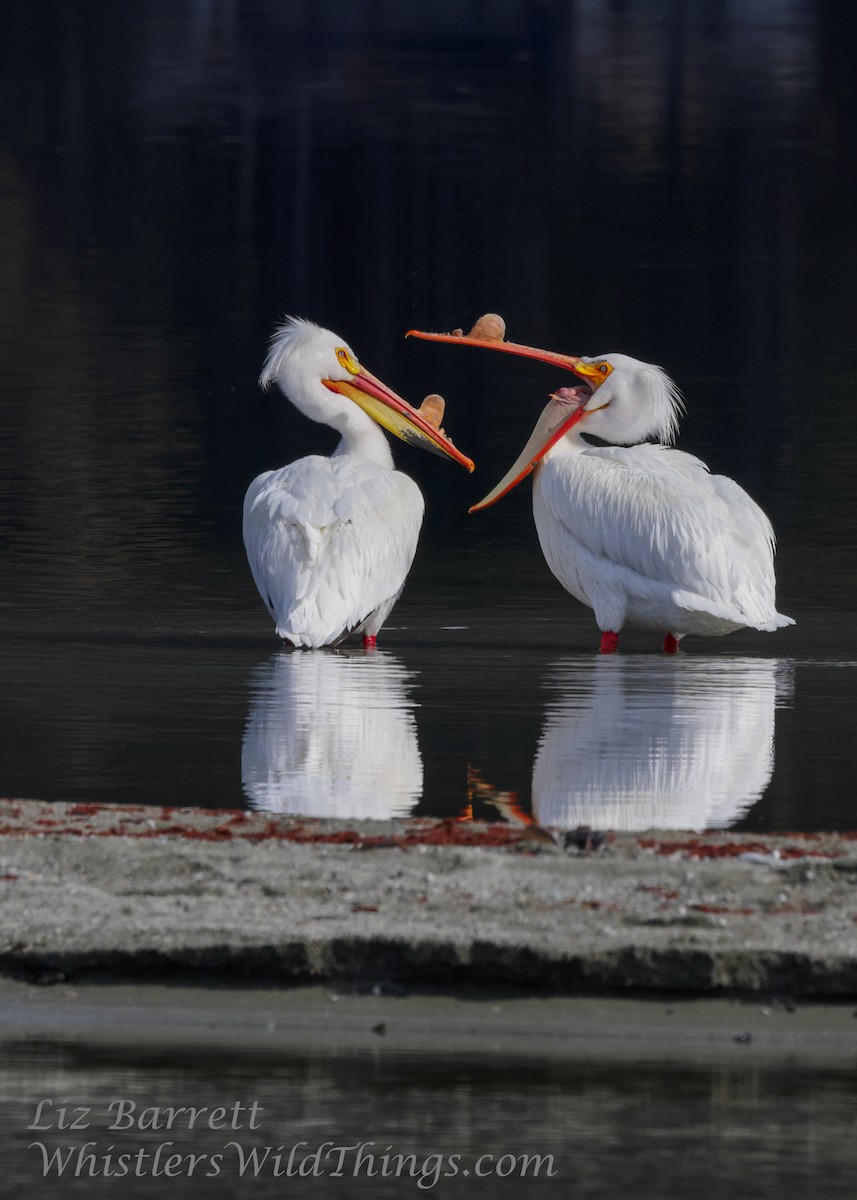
{"x":367,"y":443}
{"x":569,"y":443}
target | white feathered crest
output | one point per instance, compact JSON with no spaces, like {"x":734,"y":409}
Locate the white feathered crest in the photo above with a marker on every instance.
{"x":665,"y":402}
{"x":292,"y":335}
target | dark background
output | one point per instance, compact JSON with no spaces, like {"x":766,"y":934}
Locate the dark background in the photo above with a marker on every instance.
{"x":672,"y":180}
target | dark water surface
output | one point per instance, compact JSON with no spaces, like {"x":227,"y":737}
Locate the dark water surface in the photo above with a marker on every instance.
{"x":587,"y":1129}
{"x":673,"y":180}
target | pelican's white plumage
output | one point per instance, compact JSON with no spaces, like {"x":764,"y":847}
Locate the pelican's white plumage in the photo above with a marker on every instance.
{"x":330,"y":541}
{"x":642,"y":534}
{"x":646,"y":536}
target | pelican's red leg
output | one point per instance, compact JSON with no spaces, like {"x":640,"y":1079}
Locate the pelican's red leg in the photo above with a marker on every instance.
{"x":670,"y":644}
{"x":609,"y":642}
{"x":370,"y":641}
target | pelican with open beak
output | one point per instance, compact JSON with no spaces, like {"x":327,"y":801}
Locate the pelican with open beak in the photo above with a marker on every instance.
{"x":640,"y":533}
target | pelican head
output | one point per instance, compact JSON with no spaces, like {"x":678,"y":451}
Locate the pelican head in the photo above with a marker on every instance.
{"x":618,"y":399}
{"x":321,"y":375}
{"x":627,"y":401}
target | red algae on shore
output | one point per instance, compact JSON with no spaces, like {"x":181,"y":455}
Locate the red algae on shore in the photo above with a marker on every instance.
{"x":94,"y":820}
{"x":219,"y":825}
{"x":711,"y":846}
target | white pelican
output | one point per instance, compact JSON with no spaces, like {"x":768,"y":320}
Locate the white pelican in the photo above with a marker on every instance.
{"x":690,"y":748}
{"x":330,"y":541}
{"x":332,"y":735}
{"x":642,"y":534}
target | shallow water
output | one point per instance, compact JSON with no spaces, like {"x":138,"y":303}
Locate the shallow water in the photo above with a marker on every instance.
{"x":584,"y":1128}
{"x":673,"y":181}
{"x":632,"y":741}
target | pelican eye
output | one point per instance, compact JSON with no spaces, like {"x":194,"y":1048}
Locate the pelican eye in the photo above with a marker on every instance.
{"x":603,"y":368}
{"x":348,"y":361}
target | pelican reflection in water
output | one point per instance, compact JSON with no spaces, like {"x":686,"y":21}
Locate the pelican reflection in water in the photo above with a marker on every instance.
{"x":332,"y":735}
{"x":636,"y":744}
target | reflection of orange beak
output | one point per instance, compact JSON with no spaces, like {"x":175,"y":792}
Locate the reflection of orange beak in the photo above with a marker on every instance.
{"x":392,"y":412}
{"x":506,"y":803}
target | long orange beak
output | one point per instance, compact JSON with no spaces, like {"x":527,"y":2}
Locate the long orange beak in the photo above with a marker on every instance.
{"x":559,"y":416}
{"x":568,"y":361}
{"x":555,"y":421}
{"x":395,"y":414}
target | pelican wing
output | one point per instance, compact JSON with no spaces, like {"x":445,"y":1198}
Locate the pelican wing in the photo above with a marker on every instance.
{"x":658,"y":514}
{"x":329,"y":540}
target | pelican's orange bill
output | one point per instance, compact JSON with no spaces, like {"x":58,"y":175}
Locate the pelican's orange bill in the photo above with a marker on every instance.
{"x":395,"y":414}
{"x":556,"y":420}
{"x":568,"y":361}
{"x":489,"y":334}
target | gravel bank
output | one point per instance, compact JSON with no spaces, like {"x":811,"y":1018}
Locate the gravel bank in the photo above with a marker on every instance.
{"x":199,"y":895}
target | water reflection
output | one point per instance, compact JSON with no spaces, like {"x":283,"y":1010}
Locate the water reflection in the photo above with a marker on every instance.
{"x":657,"y":1133}
{"x":638,"y":743}
{"x":332,"y":735}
